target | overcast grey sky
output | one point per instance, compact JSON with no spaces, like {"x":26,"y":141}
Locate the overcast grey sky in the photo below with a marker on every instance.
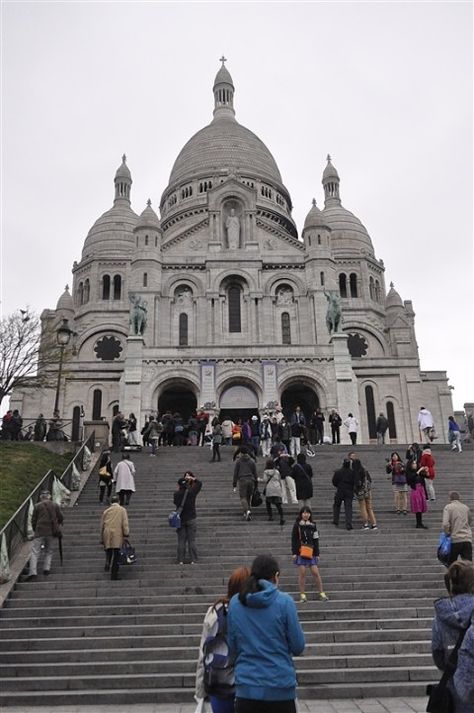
{"x":386,"y":88}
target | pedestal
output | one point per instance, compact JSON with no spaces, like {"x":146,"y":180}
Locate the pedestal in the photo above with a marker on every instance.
{"x":130,"y":383}
{"x":101,"y":429}
{"x":346,"y":384}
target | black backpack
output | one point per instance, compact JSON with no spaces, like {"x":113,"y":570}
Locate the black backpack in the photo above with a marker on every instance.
{"x":218,"y":671}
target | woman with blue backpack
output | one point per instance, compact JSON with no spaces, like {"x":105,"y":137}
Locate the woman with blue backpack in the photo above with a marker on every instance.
{"x":215,"y":672}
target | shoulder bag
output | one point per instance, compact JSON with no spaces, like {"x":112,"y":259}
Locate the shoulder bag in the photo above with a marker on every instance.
{"x":440,"y":697}
{"x":306,"y":551}
{"x":264,"y":491}
{"x":174,"y":518}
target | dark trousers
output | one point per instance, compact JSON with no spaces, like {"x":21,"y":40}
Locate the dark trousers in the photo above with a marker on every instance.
{"x":353,"y":437}
{"x":419,"y":519}
{"x":336,"y":434}
{"x":112,"y":560}
{"x":462,"y":550}
{"x":278,"y":506}
{"x":320,"y":435}
{"x":103,"y":486}
{"x":248,"y":705}
{"x":124,"y":497}
{"x":340,"y":498}
{"x":187,"y":534}
{"x":216,"y":452}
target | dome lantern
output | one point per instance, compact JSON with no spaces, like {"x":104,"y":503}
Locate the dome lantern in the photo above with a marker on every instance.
{"x":123,"y":182}
{"x":223,"y":92}
{"x":393,"y":299}
{"x":331,"y":184}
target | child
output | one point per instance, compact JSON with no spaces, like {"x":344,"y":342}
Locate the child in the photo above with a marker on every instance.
{"x":272,"y":489}
{"x":416,"y":482}
{"x":427,"y":467}
{"x":305,"y":534}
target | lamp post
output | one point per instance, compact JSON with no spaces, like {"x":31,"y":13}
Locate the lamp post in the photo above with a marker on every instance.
{"x":63,"y":336}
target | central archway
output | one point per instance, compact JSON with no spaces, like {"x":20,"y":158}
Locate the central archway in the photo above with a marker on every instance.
{"x":238,"y":401}
{"x":299,"y":394}
{"x":177,"y":398}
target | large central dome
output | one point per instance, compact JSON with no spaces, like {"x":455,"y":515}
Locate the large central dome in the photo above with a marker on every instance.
{"x":224,"y":145}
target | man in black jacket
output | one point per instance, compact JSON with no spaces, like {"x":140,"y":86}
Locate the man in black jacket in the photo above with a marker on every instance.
{"x":185,"y":497}
{"x":343,"y":480}
{"x":245,"y":474}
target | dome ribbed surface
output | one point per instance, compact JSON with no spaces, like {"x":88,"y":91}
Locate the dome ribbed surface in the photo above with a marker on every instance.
{"x":346,"y":228}
{"x":330,"y":172}
{"x":65,"y":301}
{"x":393,"y":299}
{"x":223,"y":77}
{"x":148,"y":219}
{"x":112,"y":231}
{"x":123,"y":171}
{"x":315,"y":219}
{"x":224,"y":145}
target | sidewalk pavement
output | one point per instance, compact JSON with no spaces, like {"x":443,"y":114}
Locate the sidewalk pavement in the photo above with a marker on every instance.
{"x":337,"y":705}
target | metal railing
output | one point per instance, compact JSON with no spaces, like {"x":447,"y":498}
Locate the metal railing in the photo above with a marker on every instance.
{"x":16,"y":529}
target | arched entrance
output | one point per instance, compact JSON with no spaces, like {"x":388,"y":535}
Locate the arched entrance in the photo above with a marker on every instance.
{"x":177,"y":398}
{"x":299,"y":394}
{"x":238,"y":401}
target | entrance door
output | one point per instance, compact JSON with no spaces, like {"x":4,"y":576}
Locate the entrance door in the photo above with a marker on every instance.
{"x":238,"y":401}
{"x":302,"y":395}
{"x":178,"y":399}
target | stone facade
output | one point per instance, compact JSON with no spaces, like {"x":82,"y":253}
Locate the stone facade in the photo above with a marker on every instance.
{"x":235,"y":301}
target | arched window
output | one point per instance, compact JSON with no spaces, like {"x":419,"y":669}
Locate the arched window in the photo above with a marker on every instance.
{"x":343,"y":285}
{"x":372,"y":288}
{"x":319,"y":240}
{"x":183,"y":329}
{"x":392,"y":428}
{"x":353,"y":284}
{"x":97,"y":405}
{"x":285,"y":328}
{"x":145,"y":279}
{"x":321,"y":278}
{"x":371,"y":420}
{"x":115,"y":409}
{"x":146,"y":239}
{"x":80,"y":294}
{"x":87,"y":290}
{"x":377,"y":291}
{"x":106,"y":287}
{"x":233,"y":295}
{"x":117,"y":287}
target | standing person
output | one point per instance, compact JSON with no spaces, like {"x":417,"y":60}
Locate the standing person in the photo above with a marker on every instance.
{"x":319,"y":426}
{"x":118,"y":425}
{"x":16,"y":425}
{"x":297,"y":423}
{"x":352,"y":425}
{"x":254,"y":433}
{"x":263,"y":634}
{"x":40,"y":428}
{"x":302,"y":474}
{"x":277,"y":448}
{"x":7,"y":426}
{"x":414,"y":453}
{"x":153,"y":433}
{"x":237,"y":433}
{"x":285,"y":463}
{"x":381,"y":426}
{"x":202,"y":419}
{"x":227,"y":426}
{"x":343,"y":480}
{"x":213,"y":638}
{"x":216,"y":441}
{"x":245,"y":474}
{"x":454,"y":434}
{"x":105,"y":476}
{"x":113,"y":528}
{"x":189,"y":488}
{"x":272,"y":490}
{"x":426,"y":425}
{"x":457,"y":522}
{"x":55,"y":428}
{"x":124,"y":479}
{"x":305,"y":535}
{"x":132,"y":430}
{"x":454,"y":616}
{"x":416,"y":481}
{"x":265,"y":436}
{"x":285,"y":433}
{"x":363,"y":494}
{"x":46,"y":522}
{"x":428,"y":463}
{"x":144,"y":431}
{"x":336,"y":422}
{"x":396,"y":469}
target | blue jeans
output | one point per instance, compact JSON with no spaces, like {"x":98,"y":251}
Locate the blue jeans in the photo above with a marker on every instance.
{"x":222,"y":705}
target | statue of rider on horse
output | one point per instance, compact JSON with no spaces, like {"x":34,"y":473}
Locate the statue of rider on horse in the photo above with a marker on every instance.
{"x":334,"y":312}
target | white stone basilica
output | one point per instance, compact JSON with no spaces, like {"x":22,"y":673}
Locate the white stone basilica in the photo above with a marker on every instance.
{"x":231,"y":304}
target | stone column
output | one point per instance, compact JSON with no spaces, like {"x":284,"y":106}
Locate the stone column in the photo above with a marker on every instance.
{"x":130,"y":382}
{"x":346,"y":383}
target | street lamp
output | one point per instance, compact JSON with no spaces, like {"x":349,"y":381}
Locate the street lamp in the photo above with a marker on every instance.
{"x":63,"y":336}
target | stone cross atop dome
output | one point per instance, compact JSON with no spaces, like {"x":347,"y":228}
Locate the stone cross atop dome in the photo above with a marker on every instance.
{"x":223,"y":93}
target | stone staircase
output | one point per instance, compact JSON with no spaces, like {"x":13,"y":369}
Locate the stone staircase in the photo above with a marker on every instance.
{"x":77,"y":637}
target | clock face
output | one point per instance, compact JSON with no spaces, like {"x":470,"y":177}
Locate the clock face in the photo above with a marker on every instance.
{"x":108,"y":349}
{"x":357,"y":345}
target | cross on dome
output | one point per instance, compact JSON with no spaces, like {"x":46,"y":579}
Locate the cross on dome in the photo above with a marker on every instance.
{"x":124,"y":159}
{"x":314,"y":202}
{"x":223,"y":59}
{"x":149,"y":203}
{"x":328,"y":157}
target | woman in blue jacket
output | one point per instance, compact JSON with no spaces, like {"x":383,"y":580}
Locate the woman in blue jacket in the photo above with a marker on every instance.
{"x":263,"y":634}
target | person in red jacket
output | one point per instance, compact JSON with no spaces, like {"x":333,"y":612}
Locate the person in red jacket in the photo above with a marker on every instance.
{"x":427,"y":467}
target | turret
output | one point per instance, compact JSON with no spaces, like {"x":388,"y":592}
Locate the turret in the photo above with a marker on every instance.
{"x":223,"y":92}
{"x":146,"y":261}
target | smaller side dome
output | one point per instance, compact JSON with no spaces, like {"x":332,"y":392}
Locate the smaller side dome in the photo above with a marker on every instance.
{"x":65,"y":302}
{"x":393,"y":299}
{"x":148,"y":219}
{"x":123,"y":170}
{"x":330,"y":171}
{"x":315,"y":218}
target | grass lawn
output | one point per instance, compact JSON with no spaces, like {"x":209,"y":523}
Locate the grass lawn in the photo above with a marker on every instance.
{"x":22,"y":466}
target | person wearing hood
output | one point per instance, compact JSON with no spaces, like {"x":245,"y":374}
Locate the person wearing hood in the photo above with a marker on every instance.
{"x":426,"y":424}
{"x":245,"y":474}
{"x":263,"y":634}
{"x":453,"y":616}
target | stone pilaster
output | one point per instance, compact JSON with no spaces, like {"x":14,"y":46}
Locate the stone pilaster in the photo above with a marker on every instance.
{"x":346,"y":383}
{"x":130,"y":383}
